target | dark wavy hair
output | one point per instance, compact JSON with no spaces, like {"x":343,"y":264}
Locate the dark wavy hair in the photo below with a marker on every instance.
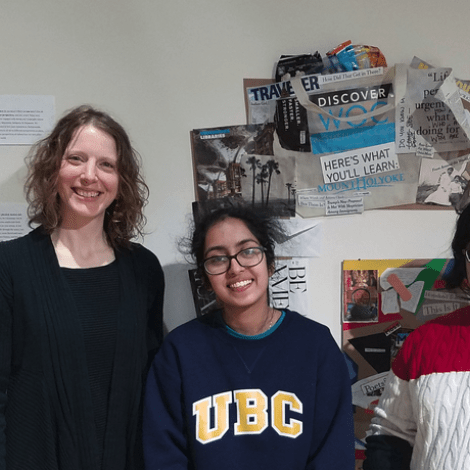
{"x":460,"y":242}
{"x":263,"y":224}
{"x":124,"y":218}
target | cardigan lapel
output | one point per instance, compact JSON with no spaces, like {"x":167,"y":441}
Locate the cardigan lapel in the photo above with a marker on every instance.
{"x":64,"y":357}
{"x":130,"y":355}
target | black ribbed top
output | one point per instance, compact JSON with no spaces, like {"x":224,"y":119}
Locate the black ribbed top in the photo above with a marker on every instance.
{"x":96,"y":294}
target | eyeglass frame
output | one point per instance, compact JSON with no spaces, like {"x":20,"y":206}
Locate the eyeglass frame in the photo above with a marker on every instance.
{"x":231,"y":257}
{"x":466,"y":254}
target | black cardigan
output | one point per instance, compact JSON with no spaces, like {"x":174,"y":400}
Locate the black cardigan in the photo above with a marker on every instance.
{"x":46,"y":416}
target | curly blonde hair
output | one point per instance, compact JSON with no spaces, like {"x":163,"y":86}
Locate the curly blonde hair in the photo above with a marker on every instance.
{"x":124,"y":218}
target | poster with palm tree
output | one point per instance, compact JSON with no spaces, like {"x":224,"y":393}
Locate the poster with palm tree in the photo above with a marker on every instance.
{"x":239,"y":162}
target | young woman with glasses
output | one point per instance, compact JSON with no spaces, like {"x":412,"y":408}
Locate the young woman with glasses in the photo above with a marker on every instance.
{"x":422,"y":420}
{"x":248,"y":386}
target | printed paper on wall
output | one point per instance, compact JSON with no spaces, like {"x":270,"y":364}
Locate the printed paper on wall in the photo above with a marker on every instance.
{"x":238,"y":162}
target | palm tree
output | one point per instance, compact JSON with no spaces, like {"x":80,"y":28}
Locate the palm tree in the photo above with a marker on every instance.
{"x":254,"y":165}
{"x":272,"y":167}
{"x":261,"y":179}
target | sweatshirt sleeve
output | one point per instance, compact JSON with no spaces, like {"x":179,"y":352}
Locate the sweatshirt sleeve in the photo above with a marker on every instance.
{"x":334,"y":428}
{"x":394,"y":415}
{"x":394,"y":427}
{"x":164,"y":437}
{"x":5,"y":347}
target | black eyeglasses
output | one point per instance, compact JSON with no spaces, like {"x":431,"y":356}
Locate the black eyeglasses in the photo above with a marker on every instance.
{"x":247,"y":258}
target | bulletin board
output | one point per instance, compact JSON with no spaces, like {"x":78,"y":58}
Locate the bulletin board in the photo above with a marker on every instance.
{"x":383,"y":301}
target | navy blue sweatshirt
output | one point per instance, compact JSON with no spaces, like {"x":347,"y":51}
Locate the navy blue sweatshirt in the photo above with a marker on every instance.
{"x":216,"y":401}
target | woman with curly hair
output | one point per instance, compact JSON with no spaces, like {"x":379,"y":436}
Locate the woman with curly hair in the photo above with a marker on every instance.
{"x":80,"y":305}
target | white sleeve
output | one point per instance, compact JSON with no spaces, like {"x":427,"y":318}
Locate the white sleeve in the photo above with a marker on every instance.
{"x":395,"y":414}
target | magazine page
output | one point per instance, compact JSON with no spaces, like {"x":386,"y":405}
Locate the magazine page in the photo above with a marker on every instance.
{"x":238,"y":162}
{"x":431,"y":117}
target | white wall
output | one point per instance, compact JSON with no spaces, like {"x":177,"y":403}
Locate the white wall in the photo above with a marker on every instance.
{"x":164,"y":68}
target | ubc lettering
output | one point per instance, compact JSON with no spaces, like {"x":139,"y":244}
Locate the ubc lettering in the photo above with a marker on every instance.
{"x":202,"y":410}
{"x":252,"y":414}
{"x":279,"y":402}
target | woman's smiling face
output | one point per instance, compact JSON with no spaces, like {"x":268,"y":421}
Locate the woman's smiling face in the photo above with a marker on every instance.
{"x":239,"y":287}
{"x":88,"y":177}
